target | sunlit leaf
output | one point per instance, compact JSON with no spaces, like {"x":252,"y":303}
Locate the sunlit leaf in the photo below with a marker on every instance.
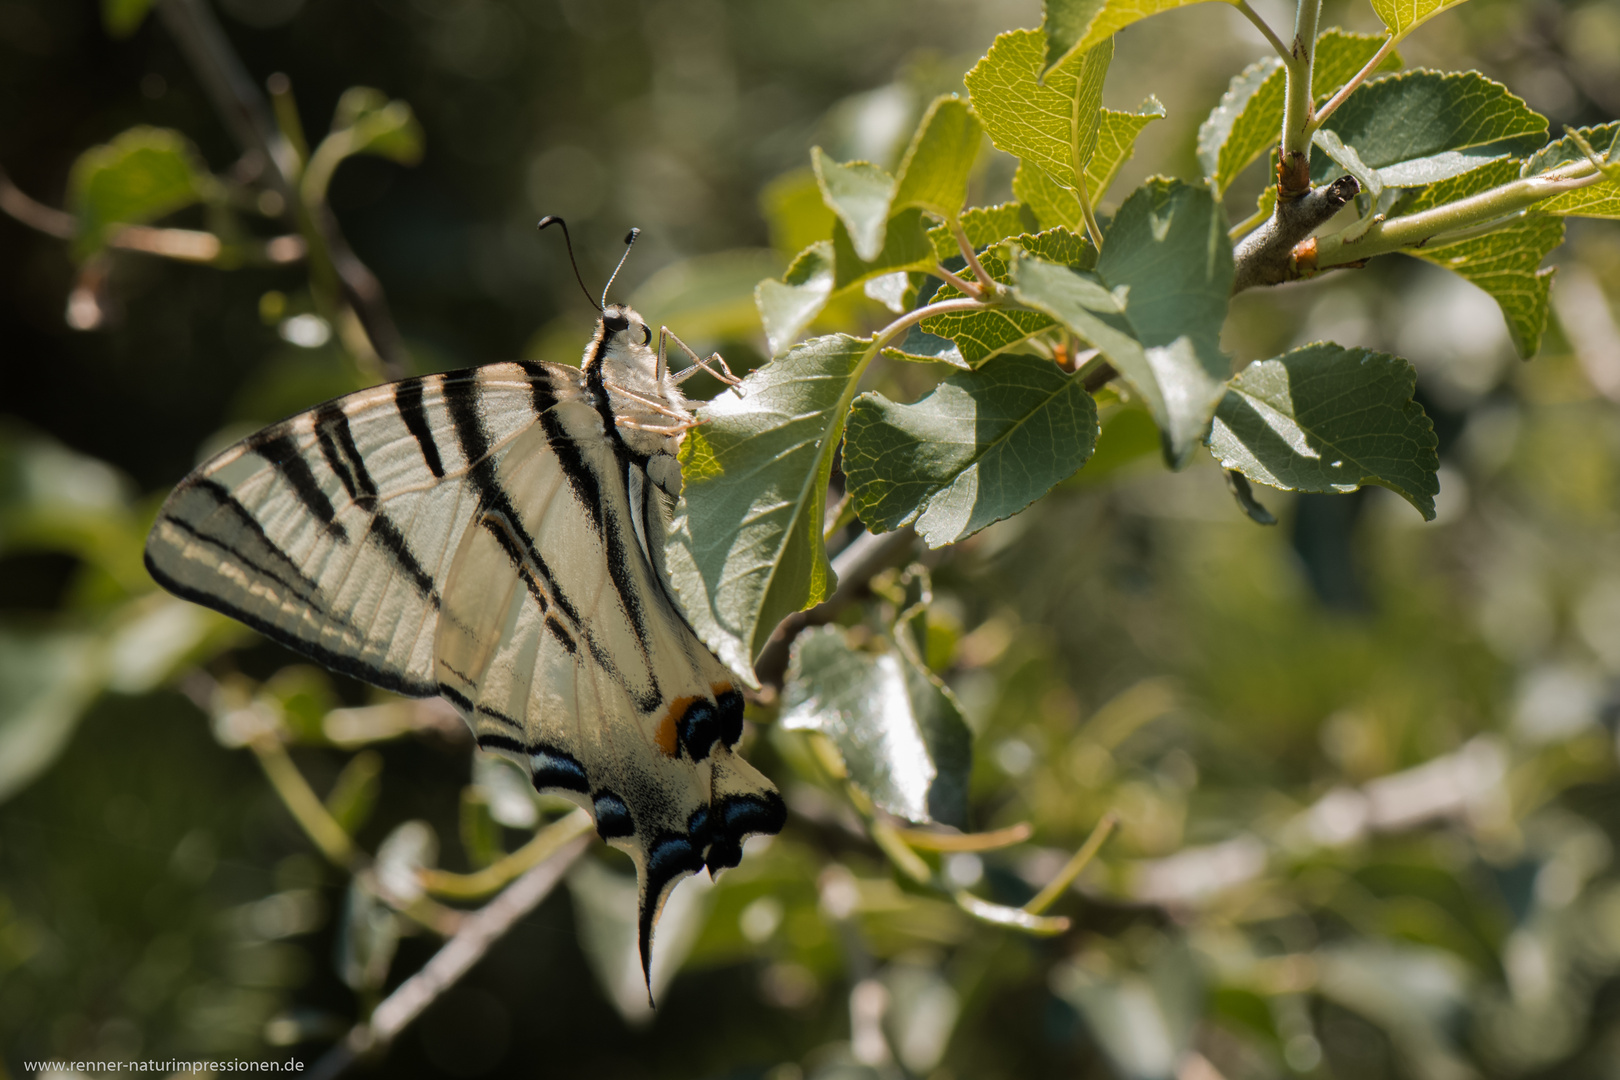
{"x":786,"y":307}
{"x":141,"y":175}
{"x":979,"y":335}
{"x":905,"y":247}
{"x":1326,"y":418}
{"x":1404,"y":16}
{"x":1054,"y":204}
{"x":1073,"y":26}
{"x":1599,"y":200}
{"x":981,"y":447}
{"x":899,"y":732}
{"x":1506,"y":263}
{"x":1423,"y":126}
{"x":984,"y":226}
{"x":859,"y":193}
{"x":746,"y":547}
{"x":1154,"y":307}
{"x":1051,"y":124}
{"x":934,"y":173}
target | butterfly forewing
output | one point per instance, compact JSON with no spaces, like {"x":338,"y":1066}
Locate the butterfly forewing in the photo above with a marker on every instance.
{"x":332,"y":531}
{"x":485,"y":535}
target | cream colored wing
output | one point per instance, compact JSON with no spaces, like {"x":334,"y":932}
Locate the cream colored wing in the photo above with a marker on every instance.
{"x":485,"y":535}
{"x":604,"y":693}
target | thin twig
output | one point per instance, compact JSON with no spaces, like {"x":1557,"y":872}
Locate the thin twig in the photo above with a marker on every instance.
{"x":302,"y":802}
{"x":479,"y":931}
{"x":246,"y":112}
{"x":1088,"y":851}
{"x":957,"y":282}
{"x":1349,"y":88}
{"x":1264,"y":27}
{"x":546,"y":843}
{"x":989,"y":284}
{"x":185,"y":245}
{"x":36,"y":215}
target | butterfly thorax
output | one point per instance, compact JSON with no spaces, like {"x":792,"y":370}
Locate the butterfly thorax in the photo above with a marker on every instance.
{"x":648,"y":408}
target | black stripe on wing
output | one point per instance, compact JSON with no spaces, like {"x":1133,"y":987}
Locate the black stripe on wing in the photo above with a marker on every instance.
{"x":391,"y":540}
{"x":408,"y":399}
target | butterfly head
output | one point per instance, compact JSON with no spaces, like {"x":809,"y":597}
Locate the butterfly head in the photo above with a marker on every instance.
{"x":646,"y":403}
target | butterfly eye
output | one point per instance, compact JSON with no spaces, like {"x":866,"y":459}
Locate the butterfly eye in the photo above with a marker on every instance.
{"x":646,"y":335}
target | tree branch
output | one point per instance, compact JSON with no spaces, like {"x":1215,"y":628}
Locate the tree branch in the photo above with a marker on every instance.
{"x":1294,"y":168}
{"x":1264,"y":257}
{"x":1443,"y":222}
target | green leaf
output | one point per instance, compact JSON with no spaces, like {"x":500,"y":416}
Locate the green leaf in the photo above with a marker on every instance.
{"x":1599,"y":200}
{"x":1155,"y":306}
{"x":145,"y":173}
{"x":121,"y":18}
{"x":1506,"y":263}
{"x":899,"y":731}
{"x":745,"y":549}
{"x":923,"y":347}
{"x":786,"y":307}
{"x":979,"y":335}
{"x":708,"y":298}
{"x":981,"y":447}
{"x":984,"y":226}
{"x":859,"y":193}
{"x":1248,"y":120}
{"x":934,"y":173}
{"x":795,"y":213}
{"x":1423,"y":126}
{"x":1404,"y":16}
{"x":1346,"y":158}
{"x":374,"y":124}
{"x":1453,"y":188}
{"x":1053,"y":125}
{"x":46,"y":681}
{"x":1326,"y":418}
{"x":905,"y":247}
{"x":1074,"y":26}
{"x":1054,"y":204}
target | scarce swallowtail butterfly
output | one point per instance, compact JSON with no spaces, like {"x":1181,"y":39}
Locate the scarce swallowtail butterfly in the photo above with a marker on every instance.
{"x":496,"y":536}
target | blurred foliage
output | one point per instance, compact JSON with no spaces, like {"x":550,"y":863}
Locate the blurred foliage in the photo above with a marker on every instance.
{"x":1364,"y":768}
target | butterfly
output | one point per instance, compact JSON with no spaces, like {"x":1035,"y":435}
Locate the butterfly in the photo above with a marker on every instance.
{"x":495,"y":536}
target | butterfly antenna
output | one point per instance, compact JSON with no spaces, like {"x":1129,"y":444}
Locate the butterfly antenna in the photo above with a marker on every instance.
{"x":629,"y":238}
{"x":553,"y":219}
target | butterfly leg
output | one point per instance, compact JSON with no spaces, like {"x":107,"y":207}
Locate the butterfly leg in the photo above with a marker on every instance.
{"x":698,"y":363}
{"x":659,"y":429}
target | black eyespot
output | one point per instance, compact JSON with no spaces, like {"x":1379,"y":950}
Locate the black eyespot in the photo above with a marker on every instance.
{"x":646,"y":335}
{"x":616,"y":324}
